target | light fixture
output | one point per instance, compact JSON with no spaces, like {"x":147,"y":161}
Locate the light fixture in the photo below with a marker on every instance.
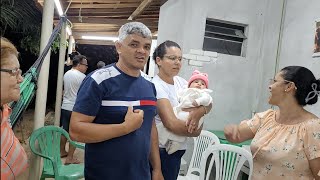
{"x":58,"y":6}
{"x":101,"y":38}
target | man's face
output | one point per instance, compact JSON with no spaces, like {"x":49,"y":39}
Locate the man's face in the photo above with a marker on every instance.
{"x":134,"y":51}
{"x":83,"y":66}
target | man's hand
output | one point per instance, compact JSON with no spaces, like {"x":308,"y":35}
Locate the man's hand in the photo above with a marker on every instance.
{"x":133,"y":119}
{"x":157,"y":175}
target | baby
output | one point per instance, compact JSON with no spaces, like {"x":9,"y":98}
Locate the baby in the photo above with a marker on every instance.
{"x":197,"y":94}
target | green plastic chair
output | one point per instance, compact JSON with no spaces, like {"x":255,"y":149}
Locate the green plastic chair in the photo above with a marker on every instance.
{"x":45,"y":142}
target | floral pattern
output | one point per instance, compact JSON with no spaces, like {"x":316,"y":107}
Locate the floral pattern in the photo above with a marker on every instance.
{"x":283,"y":151}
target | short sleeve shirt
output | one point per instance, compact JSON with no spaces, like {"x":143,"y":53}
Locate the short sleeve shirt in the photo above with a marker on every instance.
{"x":14,"y":159}
{"x":72,"y":80}
{"x":106,"y":94}
{"x":169,"y":91}
{"x":283,"y":151}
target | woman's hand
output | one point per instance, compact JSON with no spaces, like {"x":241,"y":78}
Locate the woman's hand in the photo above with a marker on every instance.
{"x":192,"y":125}
{"x":231,"y":132}
{"x":195,"y":114}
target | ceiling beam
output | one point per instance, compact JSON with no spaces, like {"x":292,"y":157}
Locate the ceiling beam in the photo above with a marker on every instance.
{"x":117,"y":16}
{"x":99,"y":1}
{"x":122,"y":10}
{"x":102,"y":6}
{"x":140,"y":9}
{"x":119,"y":22}
{"x":95,"y":12}
{"x":162,"y":2}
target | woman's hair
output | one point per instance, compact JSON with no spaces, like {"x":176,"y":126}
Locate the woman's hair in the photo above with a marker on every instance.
{"x":77,"y":59}
{"x":161,"y":50}
{"x":307,"y":85}
{"x":7,"y":48}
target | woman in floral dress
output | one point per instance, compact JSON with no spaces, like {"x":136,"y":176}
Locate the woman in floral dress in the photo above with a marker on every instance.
{"x":286,"y":141}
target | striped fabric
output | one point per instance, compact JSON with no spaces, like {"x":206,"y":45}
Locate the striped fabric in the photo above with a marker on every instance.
{"x":13,"y":157}
{"x":129,"y":103}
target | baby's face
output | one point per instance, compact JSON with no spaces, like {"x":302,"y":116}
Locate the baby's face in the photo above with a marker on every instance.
{"x":198,"y":83}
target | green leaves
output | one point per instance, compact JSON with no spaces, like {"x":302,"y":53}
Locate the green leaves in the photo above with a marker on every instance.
{"x":22,"y":17}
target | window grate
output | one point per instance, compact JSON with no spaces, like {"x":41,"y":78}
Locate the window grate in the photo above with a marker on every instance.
{"x":223,"y":37}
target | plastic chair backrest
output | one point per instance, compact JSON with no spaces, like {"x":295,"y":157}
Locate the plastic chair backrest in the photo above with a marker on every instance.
{"x":228,"y":160}
{"x":201,"y":143}
{"x":48,"y":140}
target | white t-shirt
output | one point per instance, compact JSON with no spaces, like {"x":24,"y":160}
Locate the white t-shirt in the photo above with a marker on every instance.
{"x":72,"y":80}
{"x":169,"y":91}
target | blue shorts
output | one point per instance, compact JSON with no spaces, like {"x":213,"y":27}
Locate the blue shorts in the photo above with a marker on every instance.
{"x":170,"y":163}
{"x":65,"y":119}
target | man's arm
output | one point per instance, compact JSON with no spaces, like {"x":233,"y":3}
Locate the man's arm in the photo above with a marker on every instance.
{"x":154,"y":154}
{"x":171,"y":122}
{"x":83,"y":130}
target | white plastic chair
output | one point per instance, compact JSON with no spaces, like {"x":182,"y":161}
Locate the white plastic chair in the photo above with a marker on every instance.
{"x":228,"y":160}
{"x":201,"y":143}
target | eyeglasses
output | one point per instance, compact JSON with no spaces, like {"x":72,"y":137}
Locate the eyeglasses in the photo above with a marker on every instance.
{"x":13,"y":72}
{"x":84,"y":64}
{"x":174,"y":58}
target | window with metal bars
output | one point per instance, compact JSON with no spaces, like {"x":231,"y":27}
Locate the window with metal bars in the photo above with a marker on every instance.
{"x":224,"y":37}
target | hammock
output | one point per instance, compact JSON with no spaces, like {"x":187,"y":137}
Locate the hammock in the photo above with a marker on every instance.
{"x":29,"y":85}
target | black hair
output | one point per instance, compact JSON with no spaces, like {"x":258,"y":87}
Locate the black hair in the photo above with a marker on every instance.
{"x":304,"y":79}
{"x":160,"y":51}
{"x":100,"y":64}
{"x":77,"y":59}
{"x":73,"y":54}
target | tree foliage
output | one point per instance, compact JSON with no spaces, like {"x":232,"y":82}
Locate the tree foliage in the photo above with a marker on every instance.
{"x":22,"y":17}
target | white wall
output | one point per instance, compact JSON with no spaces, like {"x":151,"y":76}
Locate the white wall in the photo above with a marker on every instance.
{"x":298,"y":38}
{"x":236,"y":81}
{"x":240,"y":84}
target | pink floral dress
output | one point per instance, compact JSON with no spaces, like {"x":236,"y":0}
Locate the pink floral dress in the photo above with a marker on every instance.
{"x":283,"y":151}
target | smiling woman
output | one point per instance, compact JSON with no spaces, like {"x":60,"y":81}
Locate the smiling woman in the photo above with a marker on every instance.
{"x":286,"y":142}
{"x":13,"y":156}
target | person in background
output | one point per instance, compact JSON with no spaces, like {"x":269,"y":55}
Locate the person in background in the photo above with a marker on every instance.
{"x":168,"y":57}
{"x":114,"y":114}
{"x":14,"y":160}
{"x":197,"y":94}
{"x":72,"y":80}
{"x":100,"y":64}
{"x":286,"y":142}
{"x":68,"y":63}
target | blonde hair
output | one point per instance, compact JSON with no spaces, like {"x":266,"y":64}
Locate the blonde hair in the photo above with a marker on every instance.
{"x":7,"y":48}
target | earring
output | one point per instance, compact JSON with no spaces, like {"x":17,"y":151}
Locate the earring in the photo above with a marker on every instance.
{"x":285,"y":90}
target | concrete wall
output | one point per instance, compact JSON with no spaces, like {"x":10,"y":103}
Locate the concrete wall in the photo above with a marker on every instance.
{"x":298,"y":38}
{"x":237,"y":82}
{"x":277,"y":37}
